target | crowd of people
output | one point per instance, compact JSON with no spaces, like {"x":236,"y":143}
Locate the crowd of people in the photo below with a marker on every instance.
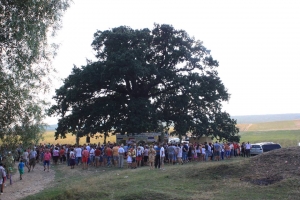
{"x":154,"y":155}
{"x":112,"y":154}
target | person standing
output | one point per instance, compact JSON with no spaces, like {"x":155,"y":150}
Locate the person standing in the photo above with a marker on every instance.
{"x":78,"y":152}
{"x":62,"y":157}
{"x":92,"y":156}
{"x":32,"y":159}
{"x":121,"y":153}
{"x":115,"y":153}
{"x":185,"y":150}
{"x":151,"y":154}
{"x":133,"y":156}
{"x":2,"y":174}
{"x":217,"y":150}
{"x":227,"y":151}
{"x":129,"y":160}
{"x":171,"y":152}
{"x":248,"y":147}
{"x":21,"y":168}
{"x":162,"y":156}
{"x":55,"y":155}
{"x":243,"y":147}
{"x":85,"y":158}
{"x":146,"y":155}
{"x":97,"y":156}
{"x":157,"y":157}
{"x":26,"y":159}
{"x":72,"y":158}
{"x":178,"y":151}
{"x":139,"y":156}
{"x":108,"y":152}
{"x":203,"y":153}
{"x":47,"y":157}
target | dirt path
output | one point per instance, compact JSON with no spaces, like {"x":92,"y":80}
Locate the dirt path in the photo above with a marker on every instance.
{"x":33,"y":182}
{"x":247,"y":128}
{"x":38,"y":179}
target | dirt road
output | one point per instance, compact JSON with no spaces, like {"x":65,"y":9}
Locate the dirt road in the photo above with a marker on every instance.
{"x":33,"y":182}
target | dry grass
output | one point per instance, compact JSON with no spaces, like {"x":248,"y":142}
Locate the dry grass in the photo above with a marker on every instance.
{"x":271,"y":126}
{"x":71,"y":139}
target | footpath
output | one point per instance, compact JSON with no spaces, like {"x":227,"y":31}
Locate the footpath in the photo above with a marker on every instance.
{"x":32,"y":183}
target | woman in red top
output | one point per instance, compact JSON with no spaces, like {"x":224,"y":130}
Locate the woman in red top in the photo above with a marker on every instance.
{"x":62,"y":155}
{"x":85,"y":157}
{"x":97,"y":156}
{"x":47,"y":157}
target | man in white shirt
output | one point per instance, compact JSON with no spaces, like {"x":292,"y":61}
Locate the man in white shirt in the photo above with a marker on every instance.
{"x":92,"y":156}
{"x":88,"y":147}
{"x":162,"y":157}
{"x":26,"y":159}
{"x":121,"y":152}
{"x":178,"y":151}
{"x":78,"y":152}
{"x":248,"y":147}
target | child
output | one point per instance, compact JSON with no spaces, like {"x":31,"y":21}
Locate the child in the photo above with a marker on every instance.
{"x":129,"y":160}
{"x":21,"y":168}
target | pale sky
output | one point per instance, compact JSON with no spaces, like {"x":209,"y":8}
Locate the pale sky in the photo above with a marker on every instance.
{"x":257,"y":43}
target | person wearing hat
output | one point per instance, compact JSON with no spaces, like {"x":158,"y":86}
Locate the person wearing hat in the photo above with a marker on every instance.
{"x":121,"y":153}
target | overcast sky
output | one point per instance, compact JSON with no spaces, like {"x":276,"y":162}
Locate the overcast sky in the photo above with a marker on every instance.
{"x":257,"y":43}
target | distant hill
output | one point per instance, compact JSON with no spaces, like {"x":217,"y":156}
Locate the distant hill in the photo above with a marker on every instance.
{"x":252,"y":119}
{"x":51,"y":127}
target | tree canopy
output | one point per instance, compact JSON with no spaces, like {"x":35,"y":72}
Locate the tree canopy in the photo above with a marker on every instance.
{"x":25,"y":64}
{"x":141,"y":79}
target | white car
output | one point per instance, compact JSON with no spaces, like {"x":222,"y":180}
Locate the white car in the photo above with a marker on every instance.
{"x":256,"y":149}
{"x":174,"y":140}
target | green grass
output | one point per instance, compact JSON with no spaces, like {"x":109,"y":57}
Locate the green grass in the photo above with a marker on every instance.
{"x":286,"y":138}
{"x":211,"y":180}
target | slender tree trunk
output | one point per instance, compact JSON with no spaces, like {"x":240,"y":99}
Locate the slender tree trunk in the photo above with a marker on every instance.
{"x":105,"y":134}
{"x":77,"y":139}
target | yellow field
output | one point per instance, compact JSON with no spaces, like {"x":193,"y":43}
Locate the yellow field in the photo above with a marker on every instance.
{"x":268,"y":126}
{"x":271,"y":126}
{"x":71,"y":139}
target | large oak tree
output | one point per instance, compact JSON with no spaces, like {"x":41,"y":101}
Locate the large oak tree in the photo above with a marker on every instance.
{"x":141,"y":79}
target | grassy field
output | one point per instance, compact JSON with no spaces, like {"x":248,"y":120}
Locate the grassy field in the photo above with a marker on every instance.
{"x":286,"y":138}
{"x":270,"y":126}
{"x":286,"y":133}
{"x":238,"y":178}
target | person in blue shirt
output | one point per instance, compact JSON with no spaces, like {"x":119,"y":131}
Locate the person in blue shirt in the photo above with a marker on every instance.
{"x":157,"y":157}
{"x":21,"y":168}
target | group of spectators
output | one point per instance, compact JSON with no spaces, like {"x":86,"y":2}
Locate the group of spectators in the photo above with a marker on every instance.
{"x":154,"y":155}
{"x":112,"y":154}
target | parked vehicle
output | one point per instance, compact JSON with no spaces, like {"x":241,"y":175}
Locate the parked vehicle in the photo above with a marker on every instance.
{"x":256,"y":149}
{"x":260,"y":148}
{"x":270,"y":146}
{"x":174,"y":140}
